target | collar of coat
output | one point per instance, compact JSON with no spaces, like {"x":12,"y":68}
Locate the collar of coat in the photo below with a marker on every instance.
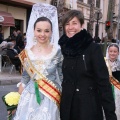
{"x":75,"y":45}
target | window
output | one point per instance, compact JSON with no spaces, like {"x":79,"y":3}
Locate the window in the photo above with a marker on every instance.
{"x":98,"y":3}
{"x":89,"y":1}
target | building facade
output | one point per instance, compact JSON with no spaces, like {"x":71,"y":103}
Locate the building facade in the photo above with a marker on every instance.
{"x":20,"y":10}
{"x":102,"y":7}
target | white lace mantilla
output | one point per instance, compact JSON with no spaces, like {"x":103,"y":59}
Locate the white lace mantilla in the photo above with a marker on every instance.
{"x":115,"y":65}
{"x":40,"y":10}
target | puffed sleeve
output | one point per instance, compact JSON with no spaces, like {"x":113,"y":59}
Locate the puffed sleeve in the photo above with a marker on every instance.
{"x":25,"y":77}
{"x":103,"y":84}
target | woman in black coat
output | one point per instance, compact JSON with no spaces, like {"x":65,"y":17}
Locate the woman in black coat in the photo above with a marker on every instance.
{"x":86,"y":88}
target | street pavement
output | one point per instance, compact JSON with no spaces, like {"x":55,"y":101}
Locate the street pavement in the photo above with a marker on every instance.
{"x":9,"y":79}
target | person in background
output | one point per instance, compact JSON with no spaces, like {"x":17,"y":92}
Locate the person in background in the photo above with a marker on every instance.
{"x":3,"y":48}
{"x":14,"y":34}
{"x":113,"y":64}
{"x":15,"y":46}
{"x":24,"y":36}
{"x":19,"y":40}
{"x":13,"y":55}
{"x":24,"y":40}
{"x":86,"y":90}
{"x":1,"y":36}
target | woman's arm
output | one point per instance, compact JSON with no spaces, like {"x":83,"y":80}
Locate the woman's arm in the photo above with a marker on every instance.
{"x":59,"y":65}
{"x":24,"y":80}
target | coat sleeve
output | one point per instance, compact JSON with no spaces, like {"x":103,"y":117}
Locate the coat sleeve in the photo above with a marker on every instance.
{"x":103,"y":84}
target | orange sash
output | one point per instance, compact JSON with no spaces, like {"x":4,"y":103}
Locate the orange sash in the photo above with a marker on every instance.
{"x":47,"y":87}
{"x":113,"y":80}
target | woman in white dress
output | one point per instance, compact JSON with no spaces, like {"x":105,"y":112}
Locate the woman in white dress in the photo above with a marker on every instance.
{"x":40,"y":85}
{"x":113,"y":64}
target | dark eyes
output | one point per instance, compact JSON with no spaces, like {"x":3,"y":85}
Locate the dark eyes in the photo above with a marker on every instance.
{"x":74,"y":23}
{"x":44,"y":31}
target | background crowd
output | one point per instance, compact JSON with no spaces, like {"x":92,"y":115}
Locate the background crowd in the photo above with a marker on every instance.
{"x":12,"y":46}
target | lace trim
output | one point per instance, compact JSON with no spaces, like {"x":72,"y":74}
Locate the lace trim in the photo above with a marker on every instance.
{"x":34,"y":57}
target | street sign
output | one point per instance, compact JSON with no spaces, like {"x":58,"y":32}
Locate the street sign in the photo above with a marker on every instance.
{"x":1,"y":18}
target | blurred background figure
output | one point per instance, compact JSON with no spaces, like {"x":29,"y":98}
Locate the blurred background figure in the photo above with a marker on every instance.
{"x":14,"y":34}
{"x":1,"y":36}
{"x":19,"y":40}
{"x":113,"y":64}
{"x":13,"y":40}
{"x":13,"y":55}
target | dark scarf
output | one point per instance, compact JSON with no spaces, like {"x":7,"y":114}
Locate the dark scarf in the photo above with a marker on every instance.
{"x":75,"y":45}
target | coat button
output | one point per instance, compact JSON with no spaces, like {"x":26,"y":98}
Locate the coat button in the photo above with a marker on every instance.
{"x":77,"y":89}
{"x":90,"y":88}
{"x":64,"y":66}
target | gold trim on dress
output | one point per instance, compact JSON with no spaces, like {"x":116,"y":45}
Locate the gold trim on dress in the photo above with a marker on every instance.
{"x":47,"y":87}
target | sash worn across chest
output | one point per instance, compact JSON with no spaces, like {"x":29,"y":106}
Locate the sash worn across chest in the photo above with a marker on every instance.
{"x":46,"y":87}
{"x":113,"y":80}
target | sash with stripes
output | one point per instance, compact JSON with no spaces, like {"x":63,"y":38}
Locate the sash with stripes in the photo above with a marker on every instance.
{"x":46,"y":87}
{"x":113,"y":80}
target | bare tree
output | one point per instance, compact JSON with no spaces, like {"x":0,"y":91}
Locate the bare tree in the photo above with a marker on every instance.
{"x":91,"y":20}
{"x":111,"y":7}
{"x":61,"y":11}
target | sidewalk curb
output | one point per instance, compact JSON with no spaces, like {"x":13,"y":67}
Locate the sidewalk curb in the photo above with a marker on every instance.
{"x":9,"y":82}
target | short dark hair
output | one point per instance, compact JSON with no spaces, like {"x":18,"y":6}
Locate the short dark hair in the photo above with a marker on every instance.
{"x":70,"y":15}
{"x":42,"y":19}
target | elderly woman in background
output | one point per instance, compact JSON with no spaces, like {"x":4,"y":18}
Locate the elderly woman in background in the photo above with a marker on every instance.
{"x":13,"y":55}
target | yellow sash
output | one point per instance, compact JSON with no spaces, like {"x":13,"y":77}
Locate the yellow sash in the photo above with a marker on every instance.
{"x":113,"y":80}
{"x":47,"y":87}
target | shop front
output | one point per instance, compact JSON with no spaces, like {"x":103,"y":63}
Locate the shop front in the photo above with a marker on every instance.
{"x":6,"y":21}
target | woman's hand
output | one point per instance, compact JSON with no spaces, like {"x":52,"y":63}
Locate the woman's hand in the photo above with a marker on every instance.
{"x":13,"y":112}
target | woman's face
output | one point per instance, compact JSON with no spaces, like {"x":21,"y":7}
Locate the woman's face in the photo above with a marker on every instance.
{"x":72,"y":27}
{"x":43,"y":32}
{"x":113,"y":53}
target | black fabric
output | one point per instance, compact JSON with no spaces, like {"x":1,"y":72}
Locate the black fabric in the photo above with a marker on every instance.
{"x":19,"y":41}
{"x":15,"y":60}
{"x":75,"y":45}
{"x":116,"y":74}
{"x":85,"y":88}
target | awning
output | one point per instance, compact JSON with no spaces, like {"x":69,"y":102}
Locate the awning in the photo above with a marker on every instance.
{"x":6,"y":19}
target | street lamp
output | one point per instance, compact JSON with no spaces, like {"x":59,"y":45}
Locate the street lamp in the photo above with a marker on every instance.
{"x":98,"y":16}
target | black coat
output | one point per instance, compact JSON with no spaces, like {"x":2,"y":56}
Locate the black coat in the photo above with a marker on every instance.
{"x":86,"y":87}
{"x":15,"y":60}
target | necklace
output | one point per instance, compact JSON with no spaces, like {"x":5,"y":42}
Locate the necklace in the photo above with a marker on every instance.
{"x":39,"y":47}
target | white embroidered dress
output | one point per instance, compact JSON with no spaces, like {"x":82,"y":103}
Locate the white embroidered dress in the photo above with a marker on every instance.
{"x":28,"y":108}
{"x":114,"y":66}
